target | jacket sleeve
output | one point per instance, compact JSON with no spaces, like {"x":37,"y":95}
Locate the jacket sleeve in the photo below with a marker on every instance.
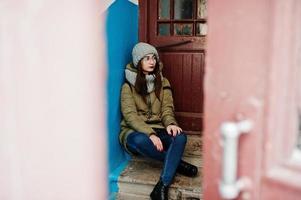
{"x":168,"y":113}
{"x":130,"y":114}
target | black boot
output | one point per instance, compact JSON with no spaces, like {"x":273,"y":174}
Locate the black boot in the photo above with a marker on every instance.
{"x":160,"y":192}
{"x":187,"y":169}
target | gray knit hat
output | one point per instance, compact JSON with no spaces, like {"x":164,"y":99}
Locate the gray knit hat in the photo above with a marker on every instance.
{"x":142,"y":49}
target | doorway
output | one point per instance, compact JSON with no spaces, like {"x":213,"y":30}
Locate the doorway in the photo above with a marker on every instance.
{"x":178,"y":28}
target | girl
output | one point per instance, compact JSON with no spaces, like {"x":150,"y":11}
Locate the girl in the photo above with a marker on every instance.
{"x":149,"y":127}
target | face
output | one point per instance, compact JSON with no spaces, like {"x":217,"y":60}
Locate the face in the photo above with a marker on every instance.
{"x":148,"y":63}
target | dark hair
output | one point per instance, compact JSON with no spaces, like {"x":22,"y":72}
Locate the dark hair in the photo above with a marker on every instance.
{"x":140,"y":84}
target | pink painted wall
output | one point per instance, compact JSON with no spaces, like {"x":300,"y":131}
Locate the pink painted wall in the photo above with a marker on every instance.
{"x":52,"y":109}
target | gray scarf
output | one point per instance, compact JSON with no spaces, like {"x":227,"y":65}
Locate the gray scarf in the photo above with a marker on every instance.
{"x":131,"y":77}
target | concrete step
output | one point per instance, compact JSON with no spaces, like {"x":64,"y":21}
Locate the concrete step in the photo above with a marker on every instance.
{"x":140,"y":176}
{"x":195,"y":160}
{"x":126,"y":196}
{"x":193,"y":146}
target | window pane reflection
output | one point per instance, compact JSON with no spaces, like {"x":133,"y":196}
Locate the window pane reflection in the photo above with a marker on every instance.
{"x":201,"y":29}
{"x":164,"y":29}
{"x":164,"y":9}
{"x":183,"y":9}
{"x":299,"y":133}
{"x":183,"y":29}
{"x":202,"y":9}
{"x":298,"y":99}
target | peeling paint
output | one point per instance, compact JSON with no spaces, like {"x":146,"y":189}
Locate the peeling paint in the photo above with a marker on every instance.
{"x":223,"y":95}
{"x":255,"y":102}
{"x":134,"y":1}
{"x":240,"y":116}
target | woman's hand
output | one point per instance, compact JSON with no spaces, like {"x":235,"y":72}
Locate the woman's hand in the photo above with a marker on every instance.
{"x":173,"y":130}
{"x":157,"y":142}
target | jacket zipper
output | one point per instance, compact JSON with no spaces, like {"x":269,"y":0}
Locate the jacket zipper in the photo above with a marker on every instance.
{"x":149,"y":105}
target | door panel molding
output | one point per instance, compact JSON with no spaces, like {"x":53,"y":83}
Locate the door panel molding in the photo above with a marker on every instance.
{"x":282,"y":117}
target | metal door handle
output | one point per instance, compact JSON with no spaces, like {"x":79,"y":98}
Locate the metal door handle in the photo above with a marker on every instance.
{"x":174,"y":44}
{"x":230,"y":187}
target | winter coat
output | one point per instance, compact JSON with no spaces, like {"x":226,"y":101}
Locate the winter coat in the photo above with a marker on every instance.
{"x":144,"y":117}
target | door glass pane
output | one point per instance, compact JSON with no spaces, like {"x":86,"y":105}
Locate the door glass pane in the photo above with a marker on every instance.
{"x":164,"y":9}
{"x":183,"y":29}
{"x":298,"y":100}
{"x":202,"y":9}
{"x":183,"y":9}
{"x":201,"y":29}
{"x":164,"y":29}
{"x":296,"y":156}
{"x":299,"y":133}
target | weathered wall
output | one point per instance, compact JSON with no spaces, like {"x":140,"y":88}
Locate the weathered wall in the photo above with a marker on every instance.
{"x":122,"y":35}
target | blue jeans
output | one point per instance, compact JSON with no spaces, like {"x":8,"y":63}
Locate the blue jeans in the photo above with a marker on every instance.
{"x":173,"y":148}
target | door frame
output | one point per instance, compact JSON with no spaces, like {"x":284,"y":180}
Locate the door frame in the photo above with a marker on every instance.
{"x":143,"y":7}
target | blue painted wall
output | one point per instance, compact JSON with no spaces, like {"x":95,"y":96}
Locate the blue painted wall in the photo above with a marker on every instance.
{"x":122,"y":35}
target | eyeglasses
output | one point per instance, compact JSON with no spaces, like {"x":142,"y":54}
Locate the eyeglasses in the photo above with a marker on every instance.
{"x":149,"y":58}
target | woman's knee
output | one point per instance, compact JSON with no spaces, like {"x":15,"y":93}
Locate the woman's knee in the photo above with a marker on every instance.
{"x":181,"y":138}
{"x":139,"y":139}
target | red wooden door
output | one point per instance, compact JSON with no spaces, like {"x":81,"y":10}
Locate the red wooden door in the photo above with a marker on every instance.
{"x":178,"y":29}
{"x":253,"y":73}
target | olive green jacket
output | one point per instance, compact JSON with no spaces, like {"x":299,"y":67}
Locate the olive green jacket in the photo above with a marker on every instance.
{"x":143,"y":117}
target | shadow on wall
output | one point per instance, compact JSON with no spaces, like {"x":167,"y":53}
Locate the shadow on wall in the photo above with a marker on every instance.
{"x":122,"y":35}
